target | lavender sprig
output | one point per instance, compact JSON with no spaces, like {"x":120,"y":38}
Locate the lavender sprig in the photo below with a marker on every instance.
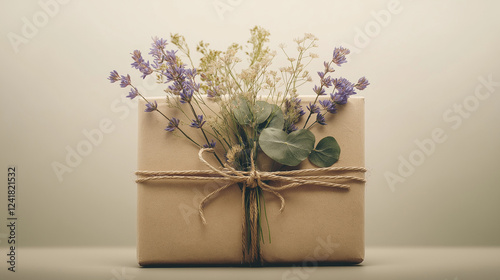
{"x":140,"y":64}
{"x":198,"y":122}
{"x":150,"y":107}
{"x":172,"y":124}
{"x":342,"y":88}
{"x":182,"y":82}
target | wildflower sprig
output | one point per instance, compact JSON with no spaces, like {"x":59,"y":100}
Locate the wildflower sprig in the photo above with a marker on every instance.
{"x":150,"y":106}
{"x":342,"y":88}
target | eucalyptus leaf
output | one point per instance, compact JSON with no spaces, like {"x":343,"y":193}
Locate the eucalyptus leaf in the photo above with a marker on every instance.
{"x":242,"y":111}
{"x":277,"y":118}
{"x":288,"y":149}
{"x":326,"y":153}
{"x":262,"y":111}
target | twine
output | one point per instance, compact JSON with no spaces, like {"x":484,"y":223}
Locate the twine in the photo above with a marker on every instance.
{"x":251,"y":180}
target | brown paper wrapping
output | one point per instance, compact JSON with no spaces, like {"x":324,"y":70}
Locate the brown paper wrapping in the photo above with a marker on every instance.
{"x":318,"y":224}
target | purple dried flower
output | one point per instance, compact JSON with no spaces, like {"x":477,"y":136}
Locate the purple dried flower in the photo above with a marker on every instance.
{"x":182,"y":79}
{"x":339,"y":55}
{"x":362,"y":83}
{"x":137,"y":57}
{"x":294,"y":106}
{"x":171,"y":58}
{"x":156,"y":50}
{"x":190,"y":85}
{"x":328,"y":68}
{"x":156,"y":64}
{"x":327,"y":81}
{"x":329,"y":106}
{"x":186,"y":96}
{"x":292,"y":127}
{"x":125,"y":81}
{"x":140,"y":64}
{"x":173,"y":123}
{"x":113,"y":76}
{"x":198,"y":122}
{"x":292,"y":114}
{"x":320,"y":119}
{"x":133,"y":93}
{"x":145,"y":70}
{"x":313,"y":108}
{"x":300,"y":111}
{"x":210,"y":145}
{"x":159,"y":43}
{"x":150,"y":107}
{"x":344,"y":90}
{"x":190,"y":73}
{"x":212,"y":92}
{"x":319,"y":90}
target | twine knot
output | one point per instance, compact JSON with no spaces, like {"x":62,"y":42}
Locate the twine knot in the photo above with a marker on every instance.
{"x":253,"y":180}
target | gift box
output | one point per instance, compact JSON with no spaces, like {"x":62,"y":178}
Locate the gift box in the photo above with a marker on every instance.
{"x":318,"y":224}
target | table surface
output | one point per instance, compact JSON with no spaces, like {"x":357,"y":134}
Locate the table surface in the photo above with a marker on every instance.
{"x":439,"y":263}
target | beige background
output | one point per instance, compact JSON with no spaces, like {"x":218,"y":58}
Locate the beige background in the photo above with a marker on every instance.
{"x":421,"y":57}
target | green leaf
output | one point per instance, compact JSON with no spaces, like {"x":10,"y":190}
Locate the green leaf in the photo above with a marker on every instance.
{"x":278,"y":120}
{"x":242,"y":111}
{"x":326,"y":153}
{"x":275,"y":119}
{"x":262,"y":111}
{"x":288,"y":149}
{"x":245,"y":115}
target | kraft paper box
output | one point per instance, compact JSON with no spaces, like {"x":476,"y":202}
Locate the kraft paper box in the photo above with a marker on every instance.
{"x":317,"y":225}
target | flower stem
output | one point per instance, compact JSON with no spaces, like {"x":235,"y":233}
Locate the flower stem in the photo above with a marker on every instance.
{"x":204,"y":134}
{"x":260,"y":194}
{"x":310,"y":112}
{"x":311,"y":125}
{"x":156,"y":109}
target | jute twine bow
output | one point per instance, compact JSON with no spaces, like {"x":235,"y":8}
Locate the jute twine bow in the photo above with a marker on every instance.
{"x":251,"y":180}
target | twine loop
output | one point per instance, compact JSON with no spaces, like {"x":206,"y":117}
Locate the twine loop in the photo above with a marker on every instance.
{"x":254,"y":178}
